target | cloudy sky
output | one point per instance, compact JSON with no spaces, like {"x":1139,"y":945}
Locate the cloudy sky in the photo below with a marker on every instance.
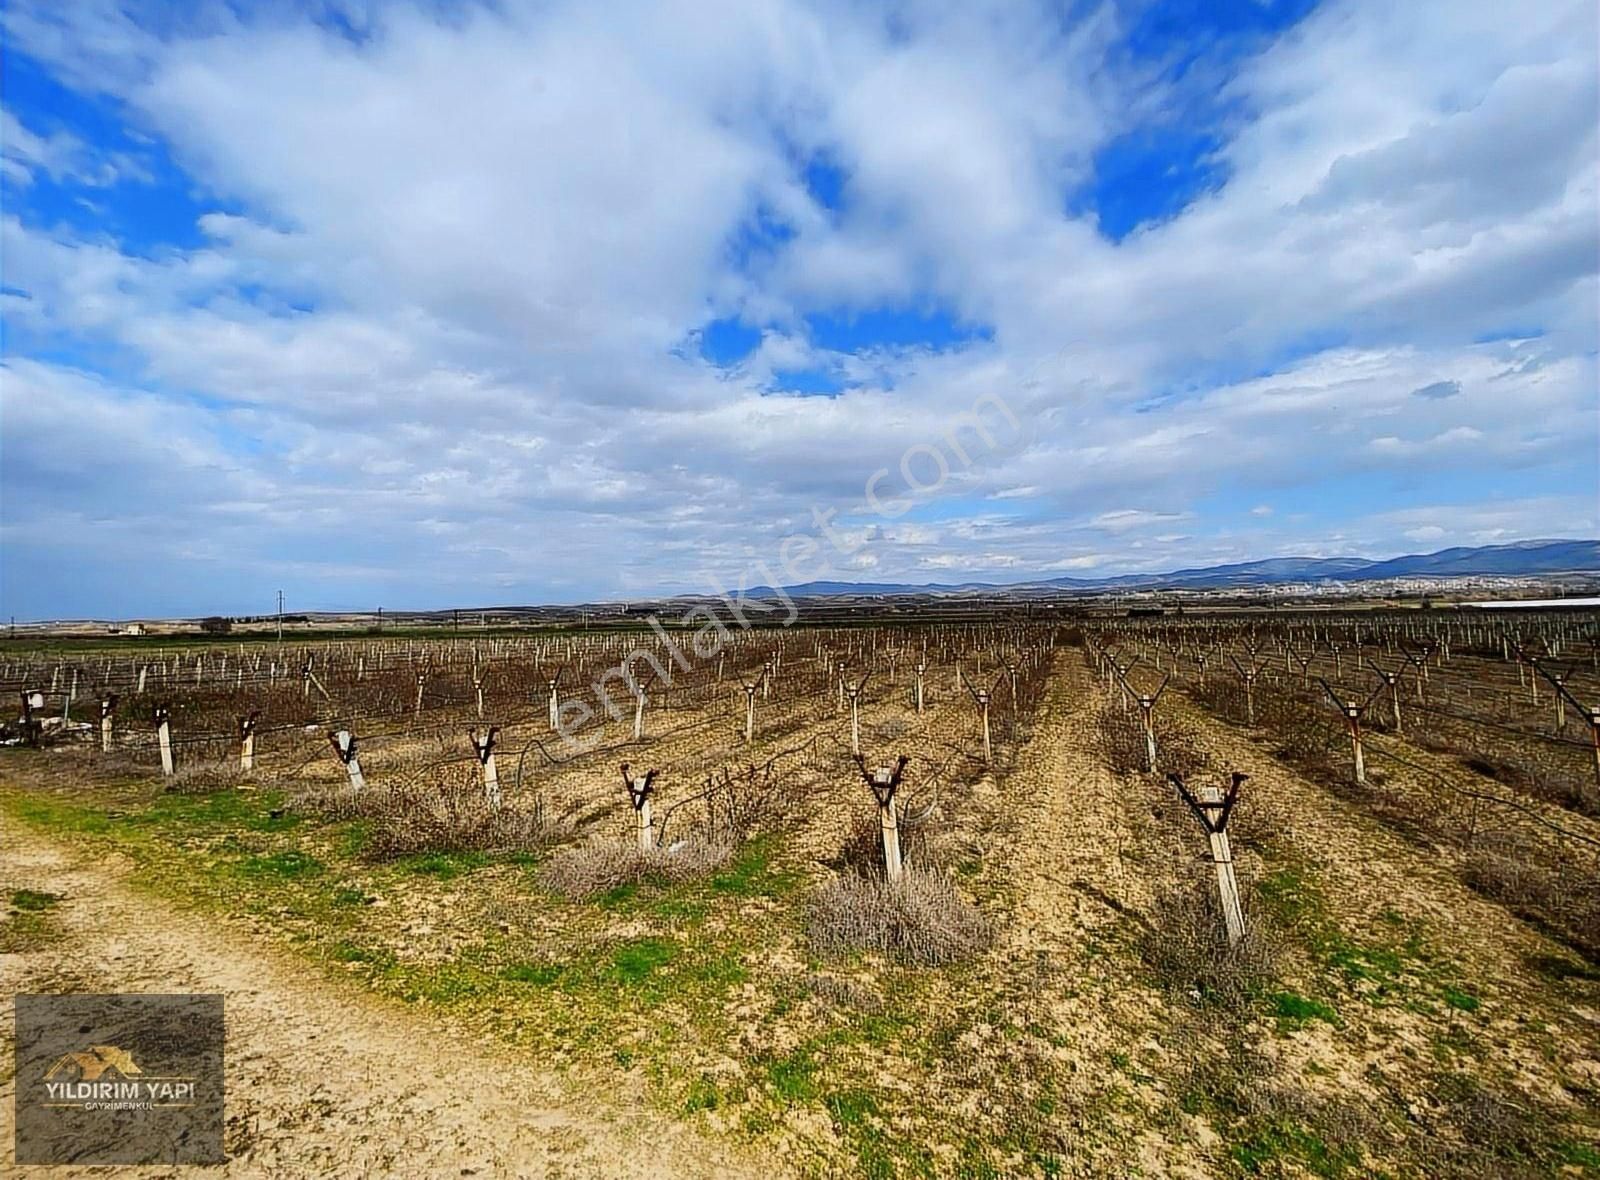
{"x":433,"y":304}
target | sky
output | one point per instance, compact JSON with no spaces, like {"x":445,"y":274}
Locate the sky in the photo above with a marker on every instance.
{"x":446,"y":304}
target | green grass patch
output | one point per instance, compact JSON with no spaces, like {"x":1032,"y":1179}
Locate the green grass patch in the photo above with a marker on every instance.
{"x":636,"y":961}
{"x":253,"y":811}
{"x":33,"y":901}
{"x":57,"y":815}
{"x":703,"y":1094}
{"x":30,"y":924}
{"x":445,"y":866}
{"x":539,"y":974}
{"x":851,"y":1108}
{"x":349,"y":895}
{"x":675,"y":908}
{"x":1461,"y":1001}
{"x":752,"y":873}
{"x":440,"y":983}
{"x":1292,"y":897}
{"x":793,"y":1078}
{"x":1264,"y":1145}
{"x":857,"y":1118}
{"x":350,"y":952}
{"x":1585,"y":1156}
{"x":353,"y":837}
{"x":619,"y":897}
{"x":288,"y":865}
{"x":1294,"y":1011}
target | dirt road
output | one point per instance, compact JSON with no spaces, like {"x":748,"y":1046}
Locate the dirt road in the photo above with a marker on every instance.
{"x":322,"y":1080}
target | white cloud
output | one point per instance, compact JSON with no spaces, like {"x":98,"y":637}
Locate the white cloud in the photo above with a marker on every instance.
{"x":453,"y":295}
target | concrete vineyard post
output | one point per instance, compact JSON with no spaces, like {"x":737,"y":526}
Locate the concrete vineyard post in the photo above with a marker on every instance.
{"x":108,"y":706}
{"x":1352,"y":714}
{"x":1591,"y":714}
{"x":883,"y":782}
{"x":484,"y":748}
{"x":164,"y":738}
{"x":1593,"y":718}
{"x":921,"y":668}
{"x":854,"y":693}
{"x":639,"y":792}
{"x":344,"y":745}
{"x":1147,"y":708}
{"x":247,"y":742}
{"x":1213,"y":806}
{"x":32,"y":727}
{"x":1392,"y":681}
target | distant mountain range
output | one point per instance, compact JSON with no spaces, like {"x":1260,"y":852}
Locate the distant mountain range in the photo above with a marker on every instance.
{"x":1519,"y":558}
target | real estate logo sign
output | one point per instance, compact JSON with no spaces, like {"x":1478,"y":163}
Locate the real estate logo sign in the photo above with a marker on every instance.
{"x":119,"y":1079}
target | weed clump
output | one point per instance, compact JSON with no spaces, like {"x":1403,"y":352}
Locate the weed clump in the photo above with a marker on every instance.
{"x":919,"y":920}
{"x":591,"y":869}
{"x":415,"y":816}
{"x":1186,"y":945}
{"x":202,"y":778}
{"x":1568,"y":905}
{"x":862,"y":851}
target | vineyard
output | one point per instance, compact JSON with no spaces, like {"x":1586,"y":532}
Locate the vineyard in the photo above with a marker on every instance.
{"x":1224,"y":895}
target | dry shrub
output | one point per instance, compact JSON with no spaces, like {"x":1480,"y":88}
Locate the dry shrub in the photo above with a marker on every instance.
{"x":122,"y":762}
{"x":839,"y":992}
{"x":1503,"y":1134}
{"x":1122,"y":742}
{"x":919,"y":919}
{"x":1304,"y":728}
{"x":1242,"y":1091}
{"x":1567,"y":906}
{"x":201,"y":778}
{"x":1551,"y":781}
{"x":590,"y":869}
{"x":419,"y":815}
{"x":1121,"y":739}
{"x":862,"y":853}
{"x":741,"y":804}
{"x":1186,"y":945}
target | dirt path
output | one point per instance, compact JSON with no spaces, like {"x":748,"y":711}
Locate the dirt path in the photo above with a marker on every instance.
{"x":323,"y":1082}
{"x":1068,"y":859}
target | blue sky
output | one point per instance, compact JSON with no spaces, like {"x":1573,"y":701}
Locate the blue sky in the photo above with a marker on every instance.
{"x":419,"y":304}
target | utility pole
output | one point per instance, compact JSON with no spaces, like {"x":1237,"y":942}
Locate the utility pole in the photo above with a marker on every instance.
{"x":280,"y":616}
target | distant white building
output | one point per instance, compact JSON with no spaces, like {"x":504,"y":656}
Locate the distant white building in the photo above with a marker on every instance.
{"x":1535,"y":603}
